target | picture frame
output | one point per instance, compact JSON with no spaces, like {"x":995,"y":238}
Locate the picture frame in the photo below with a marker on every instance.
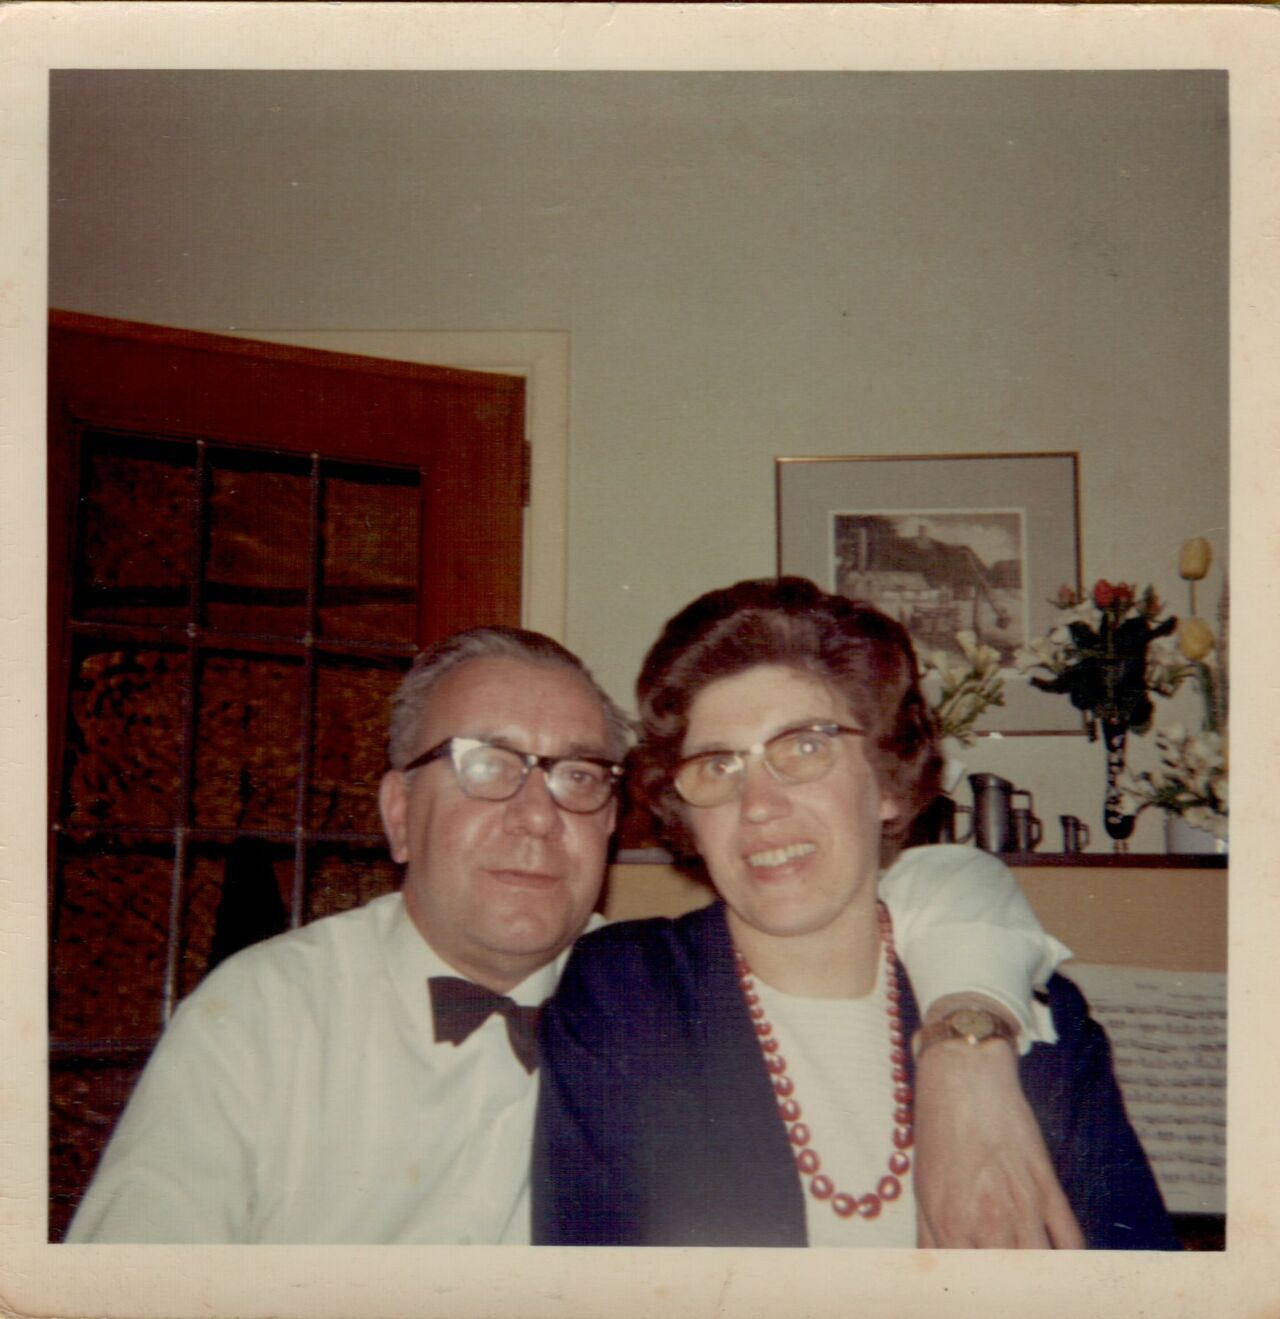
{"x":945,"y":542}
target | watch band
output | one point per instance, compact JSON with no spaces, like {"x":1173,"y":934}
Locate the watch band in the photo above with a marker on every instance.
{"x":976,"y":1026}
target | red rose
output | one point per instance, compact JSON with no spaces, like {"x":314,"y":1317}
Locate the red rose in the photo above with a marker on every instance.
{"x":1066,"y":597}
{"x":1122,"y":595}
{"x":1104,"y":593}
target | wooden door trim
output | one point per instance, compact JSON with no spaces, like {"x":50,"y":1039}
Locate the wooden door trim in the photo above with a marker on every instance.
{"x":541,"y":358}
{"x":242,"y":344}
{"x":104,"y":393}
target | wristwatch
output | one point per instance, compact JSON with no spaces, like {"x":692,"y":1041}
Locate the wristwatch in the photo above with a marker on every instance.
{"x":975,"y":1026}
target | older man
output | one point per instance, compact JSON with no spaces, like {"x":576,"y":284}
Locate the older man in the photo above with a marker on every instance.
{"x":371,"y":1076}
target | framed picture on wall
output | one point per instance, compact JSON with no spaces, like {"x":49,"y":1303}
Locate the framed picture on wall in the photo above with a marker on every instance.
{"x":945,"y":543}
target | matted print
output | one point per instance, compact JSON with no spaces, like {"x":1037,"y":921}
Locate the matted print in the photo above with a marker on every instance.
{"x":944,"y":543}
{"x":938,"y":572}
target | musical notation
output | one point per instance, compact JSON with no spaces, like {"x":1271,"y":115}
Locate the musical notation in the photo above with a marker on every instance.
{"x":1168,"y":1032}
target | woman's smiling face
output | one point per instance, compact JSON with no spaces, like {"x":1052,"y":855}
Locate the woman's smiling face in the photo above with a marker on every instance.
{"x":788,"y":858}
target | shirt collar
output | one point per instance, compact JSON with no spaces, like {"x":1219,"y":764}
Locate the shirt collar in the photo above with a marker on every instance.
{"x":411,"y":962}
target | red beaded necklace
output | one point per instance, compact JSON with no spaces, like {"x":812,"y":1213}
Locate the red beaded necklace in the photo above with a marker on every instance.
{"x":821,"y":1187}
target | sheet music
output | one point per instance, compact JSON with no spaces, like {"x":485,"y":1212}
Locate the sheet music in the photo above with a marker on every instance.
{"x":1168,"y":1033}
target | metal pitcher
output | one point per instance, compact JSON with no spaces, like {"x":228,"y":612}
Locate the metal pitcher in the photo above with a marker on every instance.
{"x":992,"y":812}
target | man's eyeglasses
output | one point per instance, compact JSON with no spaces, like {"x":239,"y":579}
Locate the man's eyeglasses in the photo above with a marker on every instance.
{"x":798,"y":755}
{"x":581,"y":784}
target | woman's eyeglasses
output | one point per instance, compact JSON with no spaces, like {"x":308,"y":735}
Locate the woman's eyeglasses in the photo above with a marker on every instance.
{"x":581,"y":784}
{"x":798,"y":755}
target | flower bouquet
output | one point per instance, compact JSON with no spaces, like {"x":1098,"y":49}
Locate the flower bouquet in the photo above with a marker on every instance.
{"x":1191,"y":780}
{"x":959,"y":692}
{"x":1097,"y":655}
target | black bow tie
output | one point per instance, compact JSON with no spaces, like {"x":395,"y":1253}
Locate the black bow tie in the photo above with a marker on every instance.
{"x":458,"y":1007}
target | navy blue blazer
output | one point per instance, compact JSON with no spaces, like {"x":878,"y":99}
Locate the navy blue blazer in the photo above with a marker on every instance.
{"x":657,"y":1123}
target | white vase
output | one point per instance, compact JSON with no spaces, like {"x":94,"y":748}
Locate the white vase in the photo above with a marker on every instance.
{"x":1183,"y":839}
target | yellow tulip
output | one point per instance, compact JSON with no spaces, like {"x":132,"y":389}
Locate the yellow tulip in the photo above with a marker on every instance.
{"x":1195,"y":638}
{"x":1195,"y":558}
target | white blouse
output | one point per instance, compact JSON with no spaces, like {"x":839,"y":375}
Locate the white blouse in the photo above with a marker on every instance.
{"x":837,"y":1052}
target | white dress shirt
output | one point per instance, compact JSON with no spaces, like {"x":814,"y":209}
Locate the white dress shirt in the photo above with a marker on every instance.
{"x":298,"y":1094}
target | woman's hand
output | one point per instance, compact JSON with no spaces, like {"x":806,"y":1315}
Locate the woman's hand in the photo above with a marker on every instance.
{"x":983,"y":1176}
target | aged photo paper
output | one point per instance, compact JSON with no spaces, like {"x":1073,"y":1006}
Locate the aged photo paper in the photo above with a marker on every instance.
{"x":136,"y":1282}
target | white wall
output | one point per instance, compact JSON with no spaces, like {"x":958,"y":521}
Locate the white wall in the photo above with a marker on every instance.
{"x":747,"y":265}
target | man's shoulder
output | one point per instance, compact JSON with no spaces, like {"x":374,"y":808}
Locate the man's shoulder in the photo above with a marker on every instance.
{"x":319,"y":953}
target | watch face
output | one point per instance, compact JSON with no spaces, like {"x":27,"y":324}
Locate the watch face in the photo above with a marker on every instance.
{"x":972,"y":1022}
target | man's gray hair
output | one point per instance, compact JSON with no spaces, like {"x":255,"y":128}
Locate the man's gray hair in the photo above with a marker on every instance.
{"x":409,"y":704}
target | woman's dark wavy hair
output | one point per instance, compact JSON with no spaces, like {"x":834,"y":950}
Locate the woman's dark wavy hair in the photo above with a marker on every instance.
{"x":862,"y":654}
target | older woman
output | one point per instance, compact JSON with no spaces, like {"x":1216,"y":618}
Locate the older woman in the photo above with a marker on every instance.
{"x":742,"y":1076}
